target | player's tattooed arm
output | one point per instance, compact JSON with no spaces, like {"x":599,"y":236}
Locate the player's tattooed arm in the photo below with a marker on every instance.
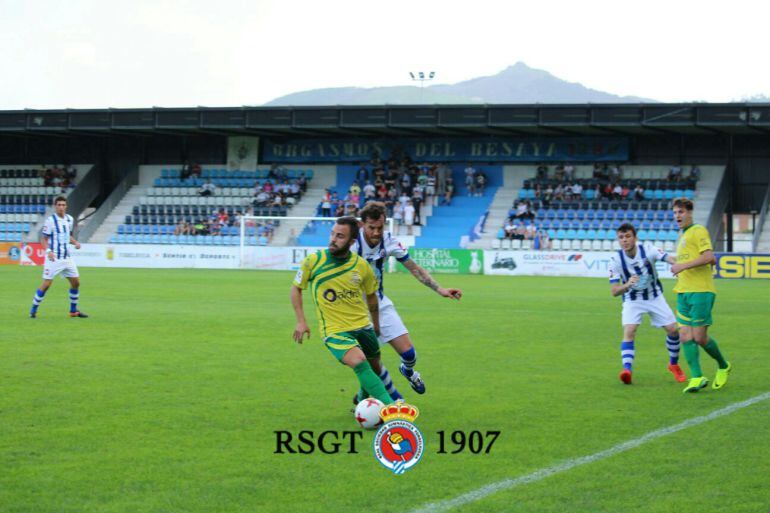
{"x":424,"y":277}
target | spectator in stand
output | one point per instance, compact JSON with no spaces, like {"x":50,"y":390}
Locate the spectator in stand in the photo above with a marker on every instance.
{"x":577,"y":191}
{"x":430,"y":187}
{"x":181,"y":228}
{"x":398,"y":216}
{"x":542,"y":241}
{"x":569,"y":172}
{"x":615,"y":173}
{"x":208,"y":188}
{"x":268,"y":187}
{"x":600,"y":171}
{"x":295,"y":189}
{"x":510,"y":229}
{"x":558,"y":193}
{"x":326,"y":204}
{"x":302,"y":182}
{"x":694,"y":175}
{"x":567,"y":192}
{"x":608,"y":190}
{"x":362,"y":175}
{"x":542,"y":172}
{"x":481,"y":182}
{"x":418,"y":197}
{"x":449,"y":190}
{"x":559,"y":173}
{"x":261,"y":199}
{"x":470,"y":180}
{"x":548,"y":195}
{"x":638,"y":192}
{"x":339,"y":210}
{"x":369,"y":191}
{"x":406,"y":182}
{"x":382,"y":193}
{"x":538,"y":191}
{"x":195,"y":170}
{"x":223,"y":217}
{"x":530,"y":231}
{"x":617,"y":192}
{"x":522,"y":211}
{"x":201,"y":227}
{"x":624,"y":192}
{"x":675,"y":173}
{"x":390,"y":179}
{"x":409,"y":213}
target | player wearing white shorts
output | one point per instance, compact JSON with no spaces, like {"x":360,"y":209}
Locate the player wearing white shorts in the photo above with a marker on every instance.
{"x":56,"y":240}
{"x":376,"y":246}
{"x":633,"y":275}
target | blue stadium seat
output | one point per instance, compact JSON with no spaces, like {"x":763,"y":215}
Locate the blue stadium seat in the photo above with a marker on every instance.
{"x":560,"y":234}
{"x":581,"y":234}
{"x":591,"y":234}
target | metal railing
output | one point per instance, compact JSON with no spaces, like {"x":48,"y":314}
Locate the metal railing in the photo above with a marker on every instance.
{"x":85,"y":191}
{"x":98,"y":217}
{"x":760,"y":225}
{"x":715,"y":225}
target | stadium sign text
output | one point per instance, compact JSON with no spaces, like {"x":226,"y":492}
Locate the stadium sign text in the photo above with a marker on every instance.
{"x":577,"y":149}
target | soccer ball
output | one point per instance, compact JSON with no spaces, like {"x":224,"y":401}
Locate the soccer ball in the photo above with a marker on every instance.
{"x":367,"y":413}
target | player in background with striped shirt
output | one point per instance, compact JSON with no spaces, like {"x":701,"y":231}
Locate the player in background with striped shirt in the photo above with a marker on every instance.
{"x":56,"y":240}
{"x":376,"y":245}
{"x":633,"y":276}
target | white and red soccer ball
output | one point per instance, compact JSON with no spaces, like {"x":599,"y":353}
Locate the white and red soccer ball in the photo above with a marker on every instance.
{"x":367,"y":413}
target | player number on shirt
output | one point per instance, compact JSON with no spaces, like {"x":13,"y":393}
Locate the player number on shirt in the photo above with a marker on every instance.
{"x":475,"y":442}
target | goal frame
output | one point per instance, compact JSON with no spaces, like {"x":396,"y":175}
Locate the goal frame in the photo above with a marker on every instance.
{"x":244,"y":219}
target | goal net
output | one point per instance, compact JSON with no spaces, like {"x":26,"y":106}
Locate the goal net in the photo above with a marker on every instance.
{"x":281,"y":243}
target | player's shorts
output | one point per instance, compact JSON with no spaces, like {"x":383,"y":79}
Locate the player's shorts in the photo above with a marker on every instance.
{"x":430,"y":190}
{"x":694,"y":308}
{"x":657,"y":308}
{"x":391,"y":325}
{"x":340,"y":343}
{"x":64,"y":266}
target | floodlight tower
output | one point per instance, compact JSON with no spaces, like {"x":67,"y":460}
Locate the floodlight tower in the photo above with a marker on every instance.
{"x":422,"y":78}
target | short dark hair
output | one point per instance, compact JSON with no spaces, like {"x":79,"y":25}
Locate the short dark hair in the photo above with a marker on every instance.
{"x":59,"y":198}
{"x":627,"y":227}
{"x":372,"y":210}
{"x":685,"y":203}
{"x":352,"y":223}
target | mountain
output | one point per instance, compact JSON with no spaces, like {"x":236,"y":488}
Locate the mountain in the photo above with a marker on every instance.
{"x":516,"y":84}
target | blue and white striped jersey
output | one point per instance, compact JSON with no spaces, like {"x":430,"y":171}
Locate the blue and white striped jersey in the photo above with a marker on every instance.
{"x":378,"y":256}
{"x":58,"y":230}
{"x":642,"y":264}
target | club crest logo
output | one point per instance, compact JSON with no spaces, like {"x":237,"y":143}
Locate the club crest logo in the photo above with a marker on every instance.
{"x":355,"y":278}
{"x":398,"y":444}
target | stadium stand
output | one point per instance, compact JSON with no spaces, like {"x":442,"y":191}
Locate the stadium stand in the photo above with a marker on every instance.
{"x":205,"y":208}
{"x":26,"y":193}
{"x":550,"y":212}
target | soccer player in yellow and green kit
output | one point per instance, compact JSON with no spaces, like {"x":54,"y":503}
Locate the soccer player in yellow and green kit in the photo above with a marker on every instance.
{"x":338,"y":281}
{"x":695,"y":296}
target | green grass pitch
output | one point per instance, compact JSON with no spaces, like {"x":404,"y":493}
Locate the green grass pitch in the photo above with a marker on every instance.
{"x":166,"y":399}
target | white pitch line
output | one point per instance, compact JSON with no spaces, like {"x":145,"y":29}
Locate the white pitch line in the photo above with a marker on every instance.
{"x":538,"y":475}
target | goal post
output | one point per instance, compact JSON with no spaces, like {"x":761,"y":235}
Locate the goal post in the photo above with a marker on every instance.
{"x":277,"y":242}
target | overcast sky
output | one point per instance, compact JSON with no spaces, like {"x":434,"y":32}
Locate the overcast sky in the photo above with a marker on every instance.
{"x":90,"y":54}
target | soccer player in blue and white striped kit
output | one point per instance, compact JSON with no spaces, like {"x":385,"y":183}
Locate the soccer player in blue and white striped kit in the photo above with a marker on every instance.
{"x":56,"y":240}
{"x":633,"y":275}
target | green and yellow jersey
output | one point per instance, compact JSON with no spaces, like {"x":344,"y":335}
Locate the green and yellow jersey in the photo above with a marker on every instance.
{"x":339,"y":289}
{"x":693,"y":241}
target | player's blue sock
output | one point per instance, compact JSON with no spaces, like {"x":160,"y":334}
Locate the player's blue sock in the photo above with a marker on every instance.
{"x":627,"y":353}
{"x":409,"y":360}
{"x":672,"y":343}
{"x":389,"y":386}
{"x":39,"y":294}
{"x":74,"y":295}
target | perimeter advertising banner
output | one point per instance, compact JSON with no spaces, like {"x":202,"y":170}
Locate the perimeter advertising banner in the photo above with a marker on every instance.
{"x":742,"y":265}
{"x":10,"y":253}
{"x":450,"y":261}
{"x":554,"y":263}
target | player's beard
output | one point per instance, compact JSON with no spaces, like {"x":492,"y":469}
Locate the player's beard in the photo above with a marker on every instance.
{"x":340,"y":252}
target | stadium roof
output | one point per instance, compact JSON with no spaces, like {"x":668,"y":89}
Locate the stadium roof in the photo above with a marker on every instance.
{"x":397,"y":120}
